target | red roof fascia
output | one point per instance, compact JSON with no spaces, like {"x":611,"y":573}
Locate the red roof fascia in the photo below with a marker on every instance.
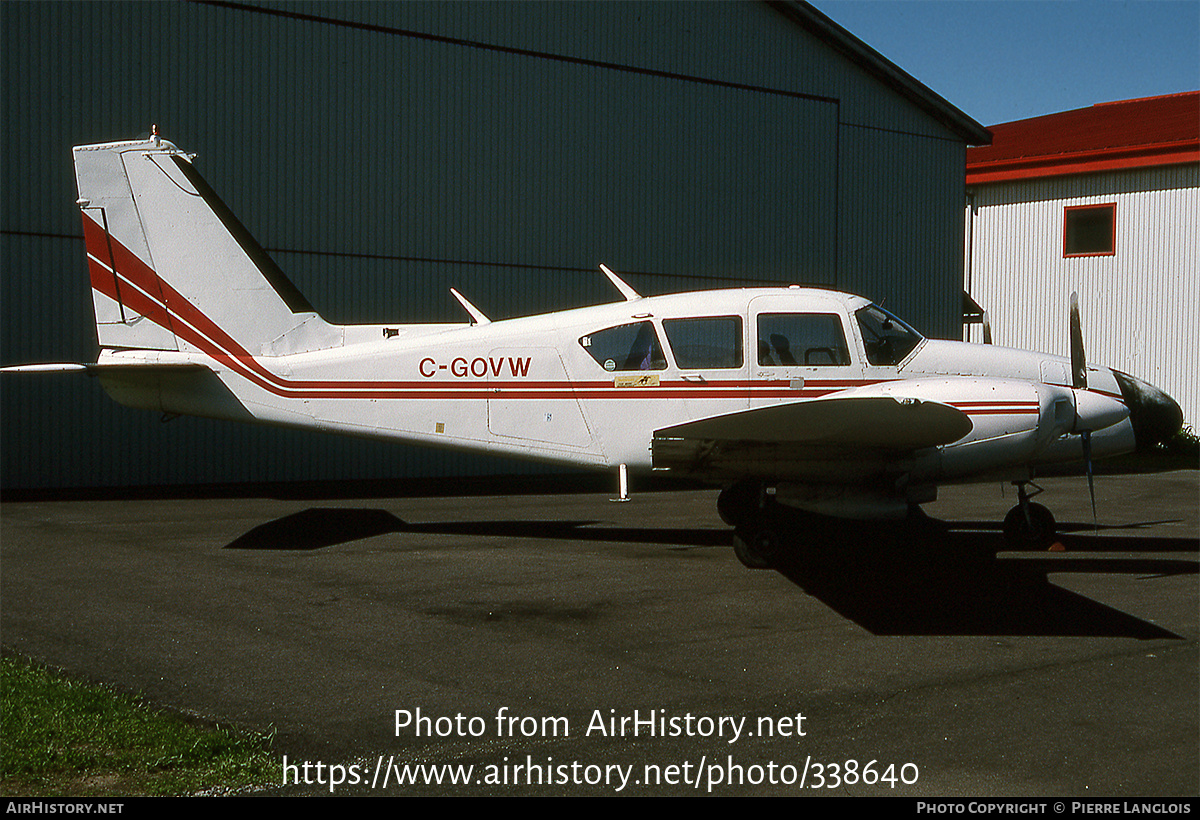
{"x":1109,"y":136}
{"x":1085,"y":162}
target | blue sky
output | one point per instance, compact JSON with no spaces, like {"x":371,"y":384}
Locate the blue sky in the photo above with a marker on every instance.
{"x":1003,"y":61}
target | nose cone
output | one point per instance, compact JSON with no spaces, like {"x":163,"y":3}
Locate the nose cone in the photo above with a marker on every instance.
{"x":1154,"y":415}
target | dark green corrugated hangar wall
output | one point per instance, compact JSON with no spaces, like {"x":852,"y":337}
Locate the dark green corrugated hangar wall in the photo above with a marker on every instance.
{"x":386,"y":152}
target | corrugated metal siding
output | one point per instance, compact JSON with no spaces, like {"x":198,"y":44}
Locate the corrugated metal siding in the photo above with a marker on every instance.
{"x":733,"y":42}
{"x":1137,"y":306}
{"x":382,"y":168}
{"x":893,"y":227}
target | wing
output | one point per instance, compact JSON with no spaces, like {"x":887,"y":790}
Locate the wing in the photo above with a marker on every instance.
{"x":840,"y":437}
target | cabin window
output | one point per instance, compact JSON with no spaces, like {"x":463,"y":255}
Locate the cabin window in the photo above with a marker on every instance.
{"x":807,"y":339}
{"x":626,"y":347}
{"x":709,"y":342}
{"x":1090,"y":230}
{"x":887,"y":339}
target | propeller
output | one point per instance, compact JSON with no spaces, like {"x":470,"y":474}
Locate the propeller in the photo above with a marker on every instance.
{"x":1079,"y":382}
{"x":1078,"y":363}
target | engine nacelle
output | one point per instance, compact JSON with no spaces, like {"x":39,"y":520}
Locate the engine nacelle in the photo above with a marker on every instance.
{"x":1014,"y":423}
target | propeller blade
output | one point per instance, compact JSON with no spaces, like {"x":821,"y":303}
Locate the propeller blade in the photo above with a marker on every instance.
{"x":1078,"y":361}
{"x":1087,"y":454}
{"x":1079,"y":382}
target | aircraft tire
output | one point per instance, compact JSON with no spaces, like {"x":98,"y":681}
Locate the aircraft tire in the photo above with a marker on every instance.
{"x":1036,"y":533}
{"x":747,"y":547}
{"x":738,"y":503}
{"x":759,"y":540}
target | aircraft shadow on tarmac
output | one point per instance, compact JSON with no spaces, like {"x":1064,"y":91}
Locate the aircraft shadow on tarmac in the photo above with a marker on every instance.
{"x":950,"y":580}
{"x":928,"y":578}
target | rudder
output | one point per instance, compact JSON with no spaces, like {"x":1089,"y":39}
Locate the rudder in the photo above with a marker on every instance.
{"x":126,"y":297}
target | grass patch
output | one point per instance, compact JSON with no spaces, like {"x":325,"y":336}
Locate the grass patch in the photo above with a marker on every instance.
{"x":59,"y":737}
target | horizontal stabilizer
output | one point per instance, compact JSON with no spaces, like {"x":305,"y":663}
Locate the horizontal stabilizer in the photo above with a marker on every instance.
{"x":874,"y":422}
{"x":45,"y":368}
{"x":98,"y":368}
{"x":178,"y":388}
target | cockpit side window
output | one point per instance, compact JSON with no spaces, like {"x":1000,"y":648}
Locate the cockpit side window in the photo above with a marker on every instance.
{"x":887,"y":339}
{"x":626,"y":347}
{"x":706,"y":342}
{"x":805,"y":339}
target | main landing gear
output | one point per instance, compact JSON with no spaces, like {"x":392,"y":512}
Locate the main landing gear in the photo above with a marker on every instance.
{"x":757,"y":544}
{"x":1028,"y":525}
{"x":757,"y":522}
{"x":763,"y":527}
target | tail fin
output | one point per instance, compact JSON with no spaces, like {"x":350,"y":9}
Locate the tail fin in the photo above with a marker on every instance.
{"x":172,"y":268}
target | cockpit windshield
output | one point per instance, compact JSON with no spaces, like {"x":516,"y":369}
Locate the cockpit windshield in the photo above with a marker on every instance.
{"x":887,"y":339}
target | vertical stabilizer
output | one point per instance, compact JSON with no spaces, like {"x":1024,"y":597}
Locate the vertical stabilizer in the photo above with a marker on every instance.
{"x":172,"y":269}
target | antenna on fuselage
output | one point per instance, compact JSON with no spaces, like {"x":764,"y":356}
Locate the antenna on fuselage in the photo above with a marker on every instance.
{"x":629,"y":293}
{"x":475,"y":312}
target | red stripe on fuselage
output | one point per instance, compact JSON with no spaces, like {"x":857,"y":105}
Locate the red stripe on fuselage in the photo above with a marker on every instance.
{"x":155,"y":299}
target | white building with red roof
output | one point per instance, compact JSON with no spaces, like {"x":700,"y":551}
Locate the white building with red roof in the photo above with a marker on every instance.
{"x":1103,"y":201}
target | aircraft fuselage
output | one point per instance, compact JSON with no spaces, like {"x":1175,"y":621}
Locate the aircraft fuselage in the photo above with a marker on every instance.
{"x":590,"y":386}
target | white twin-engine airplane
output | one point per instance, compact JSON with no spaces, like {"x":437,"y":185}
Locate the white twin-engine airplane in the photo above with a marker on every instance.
{"x":785,"y":396}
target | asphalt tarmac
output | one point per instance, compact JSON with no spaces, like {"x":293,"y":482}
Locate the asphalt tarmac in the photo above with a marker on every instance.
{"x":565,"y":644}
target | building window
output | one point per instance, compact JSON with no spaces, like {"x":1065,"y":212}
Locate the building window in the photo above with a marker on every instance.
{"x":1090,"y":230}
